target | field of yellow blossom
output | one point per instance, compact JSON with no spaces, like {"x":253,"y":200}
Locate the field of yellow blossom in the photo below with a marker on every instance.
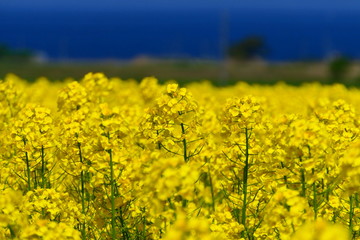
{"x":108,"y":158}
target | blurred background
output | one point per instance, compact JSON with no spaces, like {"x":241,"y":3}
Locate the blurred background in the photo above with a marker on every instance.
{"x":220,"y":40}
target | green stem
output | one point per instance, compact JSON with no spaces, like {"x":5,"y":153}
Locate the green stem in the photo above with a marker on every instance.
{"x":351,"y":213}
{"x":112,"y":196}
{"x":144,"y":226}
{"x":302,"y":179}
{"x":124,"y":229}
{"x":82,"y":182}
{"x":27,"y":162}
{"x":159,"y":143}
{"x":212,"y":190}
{"x":43,"y":181}
{"x":245,"y":179}
{"x":284,"y":177}
{"x":12,"y":232}
{"x":315,"y":200}
{"x":28,"y":170}
{"x":184,"y":143}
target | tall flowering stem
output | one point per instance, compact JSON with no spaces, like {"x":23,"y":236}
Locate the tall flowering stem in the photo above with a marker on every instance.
{"x":83,"y":197}
{"x":174,"y":108}
{"x":245,"y":177}
{"x":28,"y":170}
{"x":112,"y":195}
{"x":241,"y":116}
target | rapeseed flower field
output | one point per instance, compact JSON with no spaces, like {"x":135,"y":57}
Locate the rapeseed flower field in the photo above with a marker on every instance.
{"x":106,"y":158}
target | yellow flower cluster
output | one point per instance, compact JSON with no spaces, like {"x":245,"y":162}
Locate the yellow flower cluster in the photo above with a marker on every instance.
{"x":104,"y":158}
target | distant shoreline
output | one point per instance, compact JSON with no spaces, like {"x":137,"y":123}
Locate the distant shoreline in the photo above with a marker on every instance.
{"x":186,"y":71}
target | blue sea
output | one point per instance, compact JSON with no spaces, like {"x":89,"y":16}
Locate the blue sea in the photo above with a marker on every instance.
{"x":77,"y":35}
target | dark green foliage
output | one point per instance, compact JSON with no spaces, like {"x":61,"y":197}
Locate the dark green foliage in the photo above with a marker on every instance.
{"x":7,"y":53}
{"x":338,"y":68}
{"x":248,"y":48}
